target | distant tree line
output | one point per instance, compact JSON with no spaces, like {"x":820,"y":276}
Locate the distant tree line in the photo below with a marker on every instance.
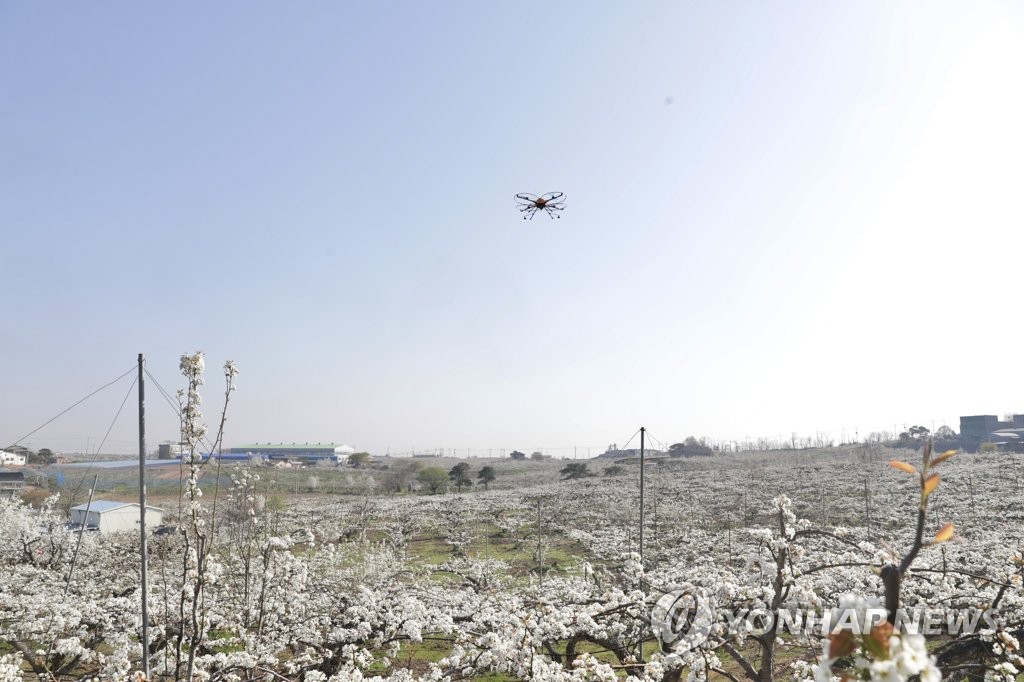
{"x":405,"y":476}
{"x":535,"y":455}
{"x":943,"y":439}
{"x":691,"y":447}
{"x":437,"y":480}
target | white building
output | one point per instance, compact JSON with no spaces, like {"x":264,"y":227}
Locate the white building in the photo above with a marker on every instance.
{"x":110,"y":517}
{"x":11,"y":459}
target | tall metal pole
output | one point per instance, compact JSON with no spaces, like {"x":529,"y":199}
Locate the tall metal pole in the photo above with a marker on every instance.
{"x":642,"y":432}
{"x":142,"y":520}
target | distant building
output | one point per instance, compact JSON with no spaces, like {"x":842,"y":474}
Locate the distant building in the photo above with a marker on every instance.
{"x":169,"y":450}
{"x":1010,"y":440}
{"x":110,"y":517}
{"x":308,"y":451}
{"x":15,"y":459}
{"x":11,"y":483}
{"x":983,"y":428}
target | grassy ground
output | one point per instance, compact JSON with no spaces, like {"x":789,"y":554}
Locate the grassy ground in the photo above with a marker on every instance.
{"x":560,"y":554}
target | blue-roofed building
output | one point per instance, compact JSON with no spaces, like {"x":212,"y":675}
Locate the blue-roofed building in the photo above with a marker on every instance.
{"x":306,"y":451}
{"x":110,"y":517}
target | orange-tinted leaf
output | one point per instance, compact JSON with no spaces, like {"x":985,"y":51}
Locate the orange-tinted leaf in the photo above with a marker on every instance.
{"x":943,"y":457}
{"x":902,"y":466}
{"x":945,"y":533}
{"x":930,"y":484}
{"x":841,"y":644}
{"x":877,"y":641}
{"x":881,"y":633}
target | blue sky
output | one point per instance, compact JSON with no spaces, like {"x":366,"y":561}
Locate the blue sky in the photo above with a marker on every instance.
{"x":781,"y":216}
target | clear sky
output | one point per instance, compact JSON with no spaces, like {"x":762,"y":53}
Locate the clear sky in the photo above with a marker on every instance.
{"x":781,"y":216}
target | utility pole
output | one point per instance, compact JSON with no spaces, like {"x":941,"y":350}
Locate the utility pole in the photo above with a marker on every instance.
{"x":642,"y":432}
{"x":142,"y":519}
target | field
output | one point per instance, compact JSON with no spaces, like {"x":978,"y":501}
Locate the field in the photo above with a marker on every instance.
{"x":163,"y":482}
{"x":534,"y":578}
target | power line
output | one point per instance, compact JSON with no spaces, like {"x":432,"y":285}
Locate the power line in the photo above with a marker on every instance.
{"x":626,"y":446}
{"x":167,"y":397}
{"x":109,"y":429}
{"x":660,"y":443}
{"x":164,"y":393}
{"x":48,"y":421}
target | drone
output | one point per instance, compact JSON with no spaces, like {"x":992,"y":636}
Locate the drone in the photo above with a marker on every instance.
{"x":551,"y":203}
